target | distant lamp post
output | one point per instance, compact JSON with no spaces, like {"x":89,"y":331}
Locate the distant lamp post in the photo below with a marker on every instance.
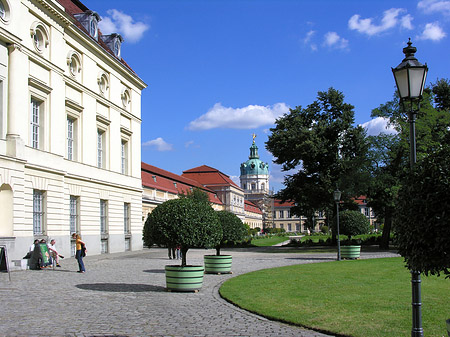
{"x":337,"y":199}
{"x":410,"y":76}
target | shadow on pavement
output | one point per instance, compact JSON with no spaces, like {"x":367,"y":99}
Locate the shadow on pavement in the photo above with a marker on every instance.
{"x":154,"y":271}
{"x":121,"y":287}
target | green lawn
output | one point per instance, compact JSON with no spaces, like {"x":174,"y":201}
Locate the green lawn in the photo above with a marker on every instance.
{"x":269,"y":241}
{"x":356,"y":298}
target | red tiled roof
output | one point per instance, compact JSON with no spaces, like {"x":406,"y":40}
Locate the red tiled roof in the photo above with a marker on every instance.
{"x":251,"y":207}
{"x":361,"y":200}
{"x":207,"y":175}
{"x":171,"y":182}
{"x":75,"y":7}
{"x":278,"y":203}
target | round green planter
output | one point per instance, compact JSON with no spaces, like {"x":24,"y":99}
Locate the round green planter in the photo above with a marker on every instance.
{"x":218,"y":264}
{"x":188,"y":278}
{"x":350,"y":252}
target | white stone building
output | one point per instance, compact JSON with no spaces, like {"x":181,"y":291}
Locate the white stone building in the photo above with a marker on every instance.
{"x":70,"y":131}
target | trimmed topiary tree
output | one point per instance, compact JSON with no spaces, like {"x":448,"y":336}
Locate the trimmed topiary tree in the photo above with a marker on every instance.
{"x":353,"y":223}
{"x":184,"y":222}
{"x":233,"y":229}
{"x":422,"y":222}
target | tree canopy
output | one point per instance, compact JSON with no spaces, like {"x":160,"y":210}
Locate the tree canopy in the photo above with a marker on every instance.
{"x":233,"y":229}
{"x":323,"y":147}
{"x":353,"y":223}
{"x":185,"y":222}
{"x":422,"y":228}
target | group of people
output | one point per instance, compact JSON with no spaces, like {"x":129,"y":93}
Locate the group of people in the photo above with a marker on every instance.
{"x":42,"y":254}
{"x":175,"y":253}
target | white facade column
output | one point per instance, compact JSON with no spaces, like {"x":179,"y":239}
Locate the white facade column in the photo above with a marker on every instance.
{"x":17,"y":100}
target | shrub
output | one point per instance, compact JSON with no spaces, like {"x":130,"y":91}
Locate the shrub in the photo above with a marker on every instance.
{"x":353,"y":223}
{"x":324,"y":229}
{"x":233,"y":230}
{"x":185,"y":222}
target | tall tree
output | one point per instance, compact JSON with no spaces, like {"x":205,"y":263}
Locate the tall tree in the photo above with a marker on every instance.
{"x":322,"y":143}
{"x":441,"y":91}
{"x":389,"y":154}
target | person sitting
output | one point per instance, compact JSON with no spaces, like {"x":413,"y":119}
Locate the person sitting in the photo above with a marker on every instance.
{"x":53,"y":252}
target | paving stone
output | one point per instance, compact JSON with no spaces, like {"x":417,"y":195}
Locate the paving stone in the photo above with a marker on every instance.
{"x":123,"y":294}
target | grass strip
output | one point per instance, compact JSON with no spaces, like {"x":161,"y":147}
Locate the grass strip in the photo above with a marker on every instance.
{"x":355,"y":298}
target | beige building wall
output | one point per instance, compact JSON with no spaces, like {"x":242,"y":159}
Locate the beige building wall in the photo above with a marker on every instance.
{"x":63,"y":73}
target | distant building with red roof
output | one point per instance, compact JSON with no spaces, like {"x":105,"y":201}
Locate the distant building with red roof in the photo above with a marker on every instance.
{"x":231,"y":195}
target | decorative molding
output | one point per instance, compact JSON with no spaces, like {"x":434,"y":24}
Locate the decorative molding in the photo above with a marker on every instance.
{"x":74,"y":190}
{"x":126,"y":131}
{"x":5,"y":177}
{"x":39,"y":85}
{"x":39,"y":183}
{"x":74,"y":105}
{"x":103,"y":194}
{"x":103,"y":120}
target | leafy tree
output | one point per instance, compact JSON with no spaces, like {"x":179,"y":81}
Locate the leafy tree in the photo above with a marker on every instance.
{"x":422,"y":223}
{"x":441,"y":91}
{"x":389,"y":154}
{"x":185,"y":222}
{"x":234,"y":231}
{"x":353,"y":223}
{"x":322,"y":144}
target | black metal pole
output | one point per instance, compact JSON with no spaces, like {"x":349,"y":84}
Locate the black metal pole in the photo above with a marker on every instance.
{"x":417,"y":330}
{"x":338,"y":239}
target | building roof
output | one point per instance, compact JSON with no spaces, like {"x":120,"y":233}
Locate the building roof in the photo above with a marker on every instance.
{"x":251,"y":207}
{"x":254,"y":165}
{"x":157,"y":178}
{"x":278,"y":203}
{"x":361,"y":200}
{"x":75,"y":7}
{"x":209,"y":176}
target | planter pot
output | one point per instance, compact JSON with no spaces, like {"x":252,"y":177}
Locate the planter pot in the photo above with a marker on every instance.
{"x":189,"y":278}
{"x":350,"y":252}
{"x":218,"y":264}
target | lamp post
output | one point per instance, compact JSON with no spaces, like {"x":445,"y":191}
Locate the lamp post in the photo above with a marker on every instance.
{"x":410,"y":78}
{"x":337,"y":198}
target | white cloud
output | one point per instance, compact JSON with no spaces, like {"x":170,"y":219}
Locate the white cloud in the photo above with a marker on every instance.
{"x":308,"y":36}
{"x":332,"y":39}
{"x":119,"y":22}
{"x":432,"y":32}
{"x":378,"y":125}
{"x":406,"y":22}
{"x":158,"y":144}
{"x":191,"y":143}
{"x":434,"y":6}
{"x":249,"y":117}
{"x":390,"y":20}
{"x":236,"y":180}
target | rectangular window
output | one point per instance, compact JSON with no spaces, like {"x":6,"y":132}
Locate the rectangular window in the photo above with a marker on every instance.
{"x":281,"y":214}
{"x":103,"y":217}
{"x":70,"y":138}
{"x":38,"y":212}
{"x":289,"y":227}
{"x":367,"y":211}
{"x":35,"y":120}
{"x":126,"y":218}
{"x":124,"y":157}
{"x":73,"y":214}
{"x":288,"y":213}
{"x":297,"y":227}
{"x":100,"y":149}
{"x":282,"y":226}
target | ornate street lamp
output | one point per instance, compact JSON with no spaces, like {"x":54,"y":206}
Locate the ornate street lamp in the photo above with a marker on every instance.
{"x":337,"y":199}
{"x":410,"y":76}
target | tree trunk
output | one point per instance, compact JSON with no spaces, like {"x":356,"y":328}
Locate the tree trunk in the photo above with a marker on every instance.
{"x":183,"y":256}
{"x":384,"y":244}
{"x":218,"y":250}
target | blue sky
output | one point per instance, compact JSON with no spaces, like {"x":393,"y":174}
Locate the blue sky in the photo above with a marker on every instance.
{"x":218,"y":71}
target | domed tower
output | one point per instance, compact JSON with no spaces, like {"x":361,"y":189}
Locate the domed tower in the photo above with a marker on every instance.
{"x":254,"y":175}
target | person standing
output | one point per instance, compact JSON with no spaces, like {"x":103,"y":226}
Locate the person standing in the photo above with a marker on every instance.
{"x":80,"y":249}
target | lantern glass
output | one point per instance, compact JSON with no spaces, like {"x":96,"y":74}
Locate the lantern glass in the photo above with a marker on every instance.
{"x":337,"y":196}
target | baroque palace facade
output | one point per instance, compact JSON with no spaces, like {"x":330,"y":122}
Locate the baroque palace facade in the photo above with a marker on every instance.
{"x":70,"y":131}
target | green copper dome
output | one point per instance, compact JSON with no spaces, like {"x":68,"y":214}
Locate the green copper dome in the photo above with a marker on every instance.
{"x":254,"y":166}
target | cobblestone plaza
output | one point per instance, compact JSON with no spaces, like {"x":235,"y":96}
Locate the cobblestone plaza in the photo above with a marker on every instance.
{"x":124,"y":294}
